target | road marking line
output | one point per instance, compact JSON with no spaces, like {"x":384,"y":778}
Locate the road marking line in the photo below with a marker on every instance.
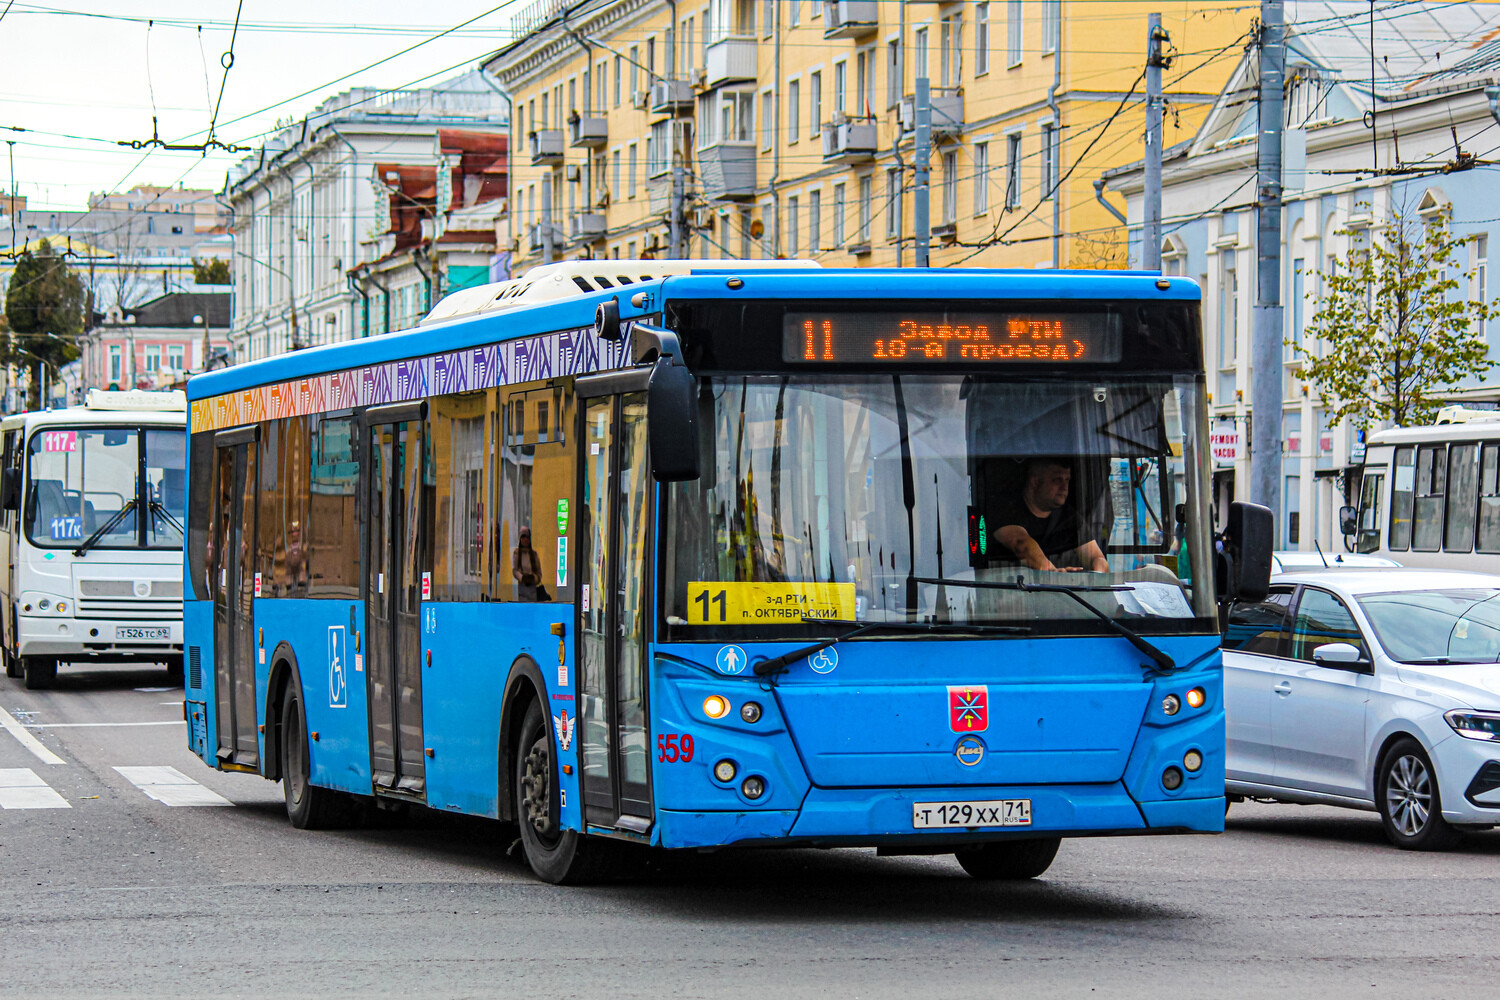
{"x":98,"y":725}
{"x":30,"y":742}
{"x":20,"y":788}
{"x":170,"y":786}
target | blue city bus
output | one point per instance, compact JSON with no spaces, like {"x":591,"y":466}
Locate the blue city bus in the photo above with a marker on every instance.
{"x":709,"y":554}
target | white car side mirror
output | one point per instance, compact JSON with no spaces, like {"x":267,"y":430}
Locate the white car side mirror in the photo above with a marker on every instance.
{"x":1339,"y":654}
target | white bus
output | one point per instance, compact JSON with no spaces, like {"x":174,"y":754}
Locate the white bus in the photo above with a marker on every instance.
{"x":91,"y":520}
{"x":1430,"y":496}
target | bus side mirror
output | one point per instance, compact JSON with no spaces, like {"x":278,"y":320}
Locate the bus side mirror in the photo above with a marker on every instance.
{"x":672,"y":421}
{"x":1348,"y":520}
{"x":10,"y":489}
{"x":1243,"y":568}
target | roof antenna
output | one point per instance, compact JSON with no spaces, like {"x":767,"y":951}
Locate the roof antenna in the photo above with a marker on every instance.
{"x":1320,"y":554}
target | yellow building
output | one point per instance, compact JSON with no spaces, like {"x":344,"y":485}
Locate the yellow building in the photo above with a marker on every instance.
{"x":785,"y":128}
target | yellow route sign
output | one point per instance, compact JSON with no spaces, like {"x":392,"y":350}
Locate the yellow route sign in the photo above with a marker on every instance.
{"x":725,"y":603}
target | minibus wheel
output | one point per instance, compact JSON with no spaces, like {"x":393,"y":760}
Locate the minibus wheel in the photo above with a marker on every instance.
{"x":562,"y":857}
{"x":12,"y":664}
{"x":40,"y":671}
{"x":1009,"y":859}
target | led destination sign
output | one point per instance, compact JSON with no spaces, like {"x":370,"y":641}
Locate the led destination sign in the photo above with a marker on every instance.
{"x":951,"y":337}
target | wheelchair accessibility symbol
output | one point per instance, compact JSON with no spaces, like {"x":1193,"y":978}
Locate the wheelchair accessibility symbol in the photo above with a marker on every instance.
{"x":338,"y":681}
{"x":824,"y":660}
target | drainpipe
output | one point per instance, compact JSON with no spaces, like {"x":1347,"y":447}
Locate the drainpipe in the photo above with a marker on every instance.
{"x":385,"y":301}
{"x":510,"y":153}
{"x":357,"y":287}
{"x":1057,"y":135}
{"x":776,"y":134}
{"x":350,"y":215}
{"x":1099,"y":197}
{"x":417,"y":255}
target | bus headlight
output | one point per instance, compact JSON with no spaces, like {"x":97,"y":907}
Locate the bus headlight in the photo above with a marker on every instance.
{"x":715,"y":706}
{"x":1192,"y":760}
{"x":1196,"y":698}
{"x":1171,"y":704}
{"x":753,"y":787}
{"x":43,"y":604}
{"x":750,"y":711}
{"x":725,"y":771}
{"x":62,"y":607}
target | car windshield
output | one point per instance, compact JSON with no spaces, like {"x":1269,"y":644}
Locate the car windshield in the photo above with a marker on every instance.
{"x":893,"y":498}
{"x":1437,"y":626}
{"x":85,"y":480}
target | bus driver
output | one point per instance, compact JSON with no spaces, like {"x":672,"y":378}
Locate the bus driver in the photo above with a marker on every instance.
{"x":1039,"y":527}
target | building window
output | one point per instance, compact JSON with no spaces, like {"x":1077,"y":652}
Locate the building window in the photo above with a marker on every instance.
{"x":815,"y":101}
{"x":767,"y":120}
{"x":153,"y":358}
{"x":793,"y":110}
{"x":602,"y":82}
{"x":614,"y":183}
{"x":116,"y":363}
{"x":892,"y":206}
{"x":864,"y":79}
{"x":618,"y":61}
{"x":866,"y":195}
{"x":635,"y":70}
{"x":769,"y":17}
{"x":919,"y":47}
{"x":659,"y":149}
{"x":950,"y":187}
{"x":1051,"y":26}
{"x":840,"y":82}
{"x":815,"y":220}
{"x":1229,"y":292}
{"x":1049,"y":159}
{"x":792,"y":247}
{"x":1013,"y":27}
{"x":950,"y":59}
{"x":632,"y":174}
{"x":981,"y":39}
{"x":795,"y":15}
{"x":981,"y":178}
{"x":1012,"y":171}
{"x":839,"y":209}
{"x":174,"y":357}
{"x":893,"y":73}
{"x":1481,"y":268}
{"x":1299,"y":268}
{"x":744,"y":234}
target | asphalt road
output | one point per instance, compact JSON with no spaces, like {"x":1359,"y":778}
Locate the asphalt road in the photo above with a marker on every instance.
{"x":114,"y":892}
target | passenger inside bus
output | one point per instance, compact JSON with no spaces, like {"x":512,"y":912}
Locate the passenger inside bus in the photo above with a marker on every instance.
{"x":1039,"y":527}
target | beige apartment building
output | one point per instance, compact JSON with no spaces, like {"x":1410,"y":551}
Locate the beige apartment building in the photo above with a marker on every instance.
{"x":769,"y":128}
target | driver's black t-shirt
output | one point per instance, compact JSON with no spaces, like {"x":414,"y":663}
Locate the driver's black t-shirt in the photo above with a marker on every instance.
{"x":1060,"y":532}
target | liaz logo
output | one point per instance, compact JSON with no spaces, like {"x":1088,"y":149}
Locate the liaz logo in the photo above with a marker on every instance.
{"x":969,"y":708}
{"x":970,"y":751}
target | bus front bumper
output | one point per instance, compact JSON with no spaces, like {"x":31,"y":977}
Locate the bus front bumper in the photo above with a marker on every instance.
{"x":97,"y":638}
{"x":885,"y":817}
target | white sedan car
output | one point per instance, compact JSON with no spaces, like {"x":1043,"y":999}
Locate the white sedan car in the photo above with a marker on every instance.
{"x":1374,"y":689}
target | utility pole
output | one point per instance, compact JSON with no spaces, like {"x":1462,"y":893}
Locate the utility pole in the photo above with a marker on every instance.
{"x":923,"y":142}
{"x":1266,"y":330}
{"x":1151,"y":226}
{"x":547,"y":249}
{"x":675,"y":251}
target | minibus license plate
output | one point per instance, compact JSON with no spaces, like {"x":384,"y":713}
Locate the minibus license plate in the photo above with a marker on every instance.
{"x":137,"y":632}
{"x":993,"y":812}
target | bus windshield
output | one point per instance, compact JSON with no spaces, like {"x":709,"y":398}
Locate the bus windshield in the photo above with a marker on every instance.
{"x":88,"y":480}
{"x":900,"y":497}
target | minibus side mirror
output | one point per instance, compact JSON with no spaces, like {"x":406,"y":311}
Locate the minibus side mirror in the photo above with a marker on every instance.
{"x":1348,"y":520}
{"x":1243,"y":567}
{"x":10,"y":489}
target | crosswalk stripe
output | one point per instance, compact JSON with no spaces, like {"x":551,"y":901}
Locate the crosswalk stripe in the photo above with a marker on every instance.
{"x":171,"y":787}
{"x":20,"y":788}
{"x":30,"y":742}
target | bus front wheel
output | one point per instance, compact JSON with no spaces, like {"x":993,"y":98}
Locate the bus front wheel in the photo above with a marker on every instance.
{"x":12,"y":664}
{"x":307,"y":806}
{"x":1009,"y":859}
{"x":562,"y":857}
{"x":40,"y":671}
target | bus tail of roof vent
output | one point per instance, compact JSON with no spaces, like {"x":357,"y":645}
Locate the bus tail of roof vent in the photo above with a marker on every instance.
{"x":167,"y":400}
{"x":549,"y":282}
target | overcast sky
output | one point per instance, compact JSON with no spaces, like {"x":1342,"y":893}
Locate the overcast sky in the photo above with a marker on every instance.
{"x":95,"y":69}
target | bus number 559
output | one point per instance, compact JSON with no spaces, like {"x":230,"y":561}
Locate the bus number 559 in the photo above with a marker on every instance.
{"x":670,"y":747}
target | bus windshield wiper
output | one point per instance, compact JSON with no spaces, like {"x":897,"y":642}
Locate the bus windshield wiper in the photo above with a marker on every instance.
{"x":778,"y":664}
{"x":1164,"y":664}
{"x":159,"y":509}
{"x":106,"y":527}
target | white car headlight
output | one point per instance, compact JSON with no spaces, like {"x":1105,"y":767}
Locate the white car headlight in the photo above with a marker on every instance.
{"x":1474,"y":725}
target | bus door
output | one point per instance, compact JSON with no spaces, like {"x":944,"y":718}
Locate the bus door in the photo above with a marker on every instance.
{"x":232,"y":582}
{"x":614,"y":607}
{"x":395,"y":539}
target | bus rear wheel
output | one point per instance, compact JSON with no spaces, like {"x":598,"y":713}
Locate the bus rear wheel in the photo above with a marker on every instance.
{"x":307,"y":806}
{"x":562,"y":857}
{"x":40,"y":671}
{"x":1009,"y":859}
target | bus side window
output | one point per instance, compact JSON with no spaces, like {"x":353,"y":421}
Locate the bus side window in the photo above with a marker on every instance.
{"x":1372,"y":493}
{"x":1427,"y":508}
{"x":1259,"y":626}
{"x":1403,"y":481}
{"x":1489,"y":499}
{"x":1463,"y":474}
{"x":7,"y":516}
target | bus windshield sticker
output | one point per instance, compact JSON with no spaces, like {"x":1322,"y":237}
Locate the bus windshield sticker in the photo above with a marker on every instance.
{"x":60,"y":441}
{"x":67,"y":529}
{"x":734,"y":603}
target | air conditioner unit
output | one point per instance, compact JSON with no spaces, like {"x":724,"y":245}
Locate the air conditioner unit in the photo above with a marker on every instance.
{"x":638,"y":99}
{"x":703,"y":218}
{"x":700,"y":76}
{"x":601,"y":197}
{"x":572,"y":172}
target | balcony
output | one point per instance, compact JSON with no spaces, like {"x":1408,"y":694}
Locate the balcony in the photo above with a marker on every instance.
{"x":671,"y":96}
{"x":536,"y":237}
{"x":585,"y":227}
{"x":847,"y":140}
{"x":659,"y":193}
{"x":588,"y":132}
{"x":728,"y":171}
{"x":729,"y":60}
{"x":546,"y":146}
{"x":850,"y":18}
{"x":947,"y":113}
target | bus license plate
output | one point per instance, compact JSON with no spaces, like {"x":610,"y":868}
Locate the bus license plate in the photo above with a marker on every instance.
{"x":993,"y":812}
{"x":137,"y":632}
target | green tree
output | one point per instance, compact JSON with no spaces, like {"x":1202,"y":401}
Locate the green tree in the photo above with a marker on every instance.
{"x":44,"y":308}
{"x":1394,"y":335}
{"x":211,"y":271}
